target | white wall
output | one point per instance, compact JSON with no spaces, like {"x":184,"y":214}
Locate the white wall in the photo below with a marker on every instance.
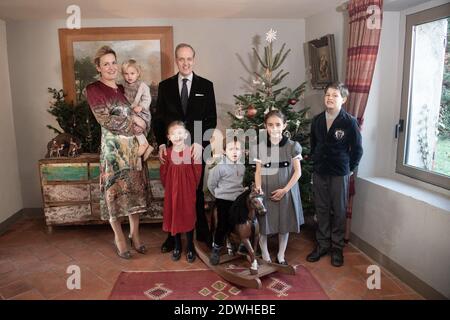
{"x":404,"y":219}
{"x":10,"y":191}
{"x":35,"y":64}
{"x":399,"y":222}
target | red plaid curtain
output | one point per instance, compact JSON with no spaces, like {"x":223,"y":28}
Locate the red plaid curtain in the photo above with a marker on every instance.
{"x":365,"y":17}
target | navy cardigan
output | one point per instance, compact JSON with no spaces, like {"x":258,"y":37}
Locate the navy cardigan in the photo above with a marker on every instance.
{"x":338,"y":151}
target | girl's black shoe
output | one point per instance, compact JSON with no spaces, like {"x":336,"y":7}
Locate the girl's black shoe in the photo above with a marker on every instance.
{"x":176,"y":254}
{"x":190,"y":256}
{"x":283,"y":263}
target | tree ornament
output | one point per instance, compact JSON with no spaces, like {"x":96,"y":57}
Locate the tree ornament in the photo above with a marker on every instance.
{"x":293,"y":101}
{"x":238,"y":112}
{"x":251,"y":111}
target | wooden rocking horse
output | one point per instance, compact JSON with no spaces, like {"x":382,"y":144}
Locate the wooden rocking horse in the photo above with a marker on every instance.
{"x":243,"y":229}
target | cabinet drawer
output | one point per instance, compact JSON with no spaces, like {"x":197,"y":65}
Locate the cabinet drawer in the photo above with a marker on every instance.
{"x":71,"y":191}
{"x":94,"y":171}
{"x":95,"y":207}
{"x":66,"y":192}
{"x":68,"y":214}
{"x":95,"y":192}
{"x":64,"y":172}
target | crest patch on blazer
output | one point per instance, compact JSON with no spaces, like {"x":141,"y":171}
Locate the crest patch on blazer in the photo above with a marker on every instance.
{"x":339,"y":134}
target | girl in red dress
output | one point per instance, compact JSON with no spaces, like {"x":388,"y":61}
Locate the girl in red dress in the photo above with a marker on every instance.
{"x":180,"y":176}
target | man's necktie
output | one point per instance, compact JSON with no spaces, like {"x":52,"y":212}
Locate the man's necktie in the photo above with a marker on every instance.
{"x":184,"y":96}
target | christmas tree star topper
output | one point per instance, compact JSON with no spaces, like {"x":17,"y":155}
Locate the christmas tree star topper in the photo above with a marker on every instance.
{"x":271,"y":35}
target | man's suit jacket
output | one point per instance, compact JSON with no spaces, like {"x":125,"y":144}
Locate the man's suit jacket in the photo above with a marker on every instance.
{"x":201,"y":107}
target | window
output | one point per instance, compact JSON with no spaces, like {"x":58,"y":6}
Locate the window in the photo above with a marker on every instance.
{"x":424,"y":129}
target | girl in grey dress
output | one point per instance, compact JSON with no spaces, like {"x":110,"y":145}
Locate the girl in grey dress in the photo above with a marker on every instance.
{"x":277,"y":172}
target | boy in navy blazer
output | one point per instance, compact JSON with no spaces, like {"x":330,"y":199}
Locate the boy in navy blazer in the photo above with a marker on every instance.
{"x":335,"y":151}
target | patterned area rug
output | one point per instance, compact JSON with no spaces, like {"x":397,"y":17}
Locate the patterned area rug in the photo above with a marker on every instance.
{"x":206,"y":285}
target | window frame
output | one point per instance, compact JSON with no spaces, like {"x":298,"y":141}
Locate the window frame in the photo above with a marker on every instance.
{"x":429,"y":15}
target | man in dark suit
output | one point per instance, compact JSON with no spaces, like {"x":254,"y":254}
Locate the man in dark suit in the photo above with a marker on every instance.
{"x":188,"y":98}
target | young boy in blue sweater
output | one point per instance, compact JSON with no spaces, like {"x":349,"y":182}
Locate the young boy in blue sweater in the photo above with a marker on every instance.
{"x":225,"y":182}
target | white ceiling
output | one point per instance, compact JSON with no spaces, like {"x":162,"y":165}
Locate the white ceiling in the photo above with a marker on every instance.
{"x":131,"y":9}
{"x":91,"y":9}
{"x":398,"y":5}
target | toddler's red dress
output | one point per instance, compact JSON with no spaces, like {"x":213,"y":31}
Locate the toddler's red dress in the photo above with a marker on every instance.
{"x":180,"y":177}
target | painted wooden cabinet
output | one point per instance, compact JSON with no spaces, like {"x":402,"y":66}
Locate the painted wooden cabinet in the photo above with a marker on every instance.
{"x":71,"y":191}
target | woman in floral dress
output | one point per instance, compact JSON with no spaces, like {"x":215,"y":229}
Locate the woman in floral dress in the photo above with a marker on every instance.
{"x":123,"y":184}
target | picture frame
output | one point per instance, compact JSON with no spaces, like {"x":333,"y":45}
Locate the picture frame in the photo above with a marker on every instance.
{"x":152,"y":47}
{"x":322,"y":61}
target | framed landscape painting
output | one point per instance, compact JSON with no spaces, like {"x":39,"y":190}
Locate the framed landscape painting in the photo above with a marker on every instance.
{"x":151,"y":47}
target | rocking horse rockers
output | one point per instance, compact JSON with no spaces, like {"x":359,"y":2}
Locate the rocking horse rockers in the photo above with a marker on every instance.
{"x":243,"y":228}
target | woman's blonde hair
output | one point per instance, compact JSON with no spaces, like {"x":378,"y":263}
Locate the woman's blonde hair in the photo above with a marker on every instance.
{"x":131,"y":63}
{"x":101,"y":52}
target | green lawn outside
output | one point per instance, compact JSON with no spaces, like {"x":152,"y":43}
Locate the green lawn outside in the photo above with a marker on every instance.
{"x":442,"y":160}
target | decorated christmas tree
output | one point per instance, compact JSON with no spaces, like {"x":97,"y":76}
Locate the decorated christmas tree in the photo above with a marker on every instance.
{"x":76,"y":120}
{"x":269,"y":95}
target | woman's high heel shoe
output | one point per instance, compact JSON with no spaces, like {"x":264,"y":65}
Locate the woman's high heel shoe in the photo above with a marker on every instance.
{"x":124,"y":255}
{"x":142,"y":249}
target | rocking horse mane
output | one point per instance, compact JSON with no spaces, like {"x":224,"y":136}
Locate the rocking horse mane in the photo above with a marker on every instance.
{"x":238,"y":213}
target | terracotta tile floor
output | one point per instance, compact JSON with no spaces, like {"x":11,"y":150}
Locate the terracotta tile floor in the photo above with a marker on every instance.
{"x":33,"y":263}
